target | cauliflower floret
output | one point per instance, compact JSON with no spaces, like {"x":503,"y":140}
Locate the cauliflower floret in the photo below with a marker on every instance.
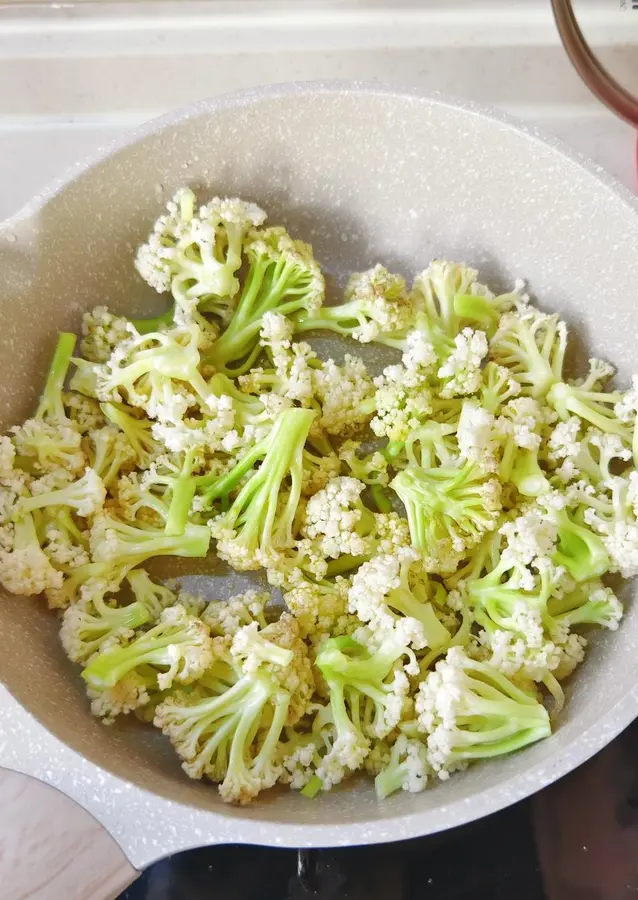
{"x":475,"y":436}
{"x":341,"y":391}
{"x":419,"y":357}
{"x":50,"y":445}
{"x":513,"y":655}
{"x":529,"y":537}
{"x":84,"y":411}
{"x":463,"y":366}
{"x":215,"y":432}
{"x":61,"y":550}
{"x":391,"y":593}
{"x":299,"y":764}
{"x":7,"y":457}
{"x":130,"y":693}
{"x":24,"y":567}
{"x":86,"y":496}
{"x":228,"y":616}
{"x":563,"y":442}
{"x":335,"y":517}
{"x":102,"y":332}
{"x":385,"y":305}
{"x":318,"y":607}
{"x":626,"y":408}
{"x":279,"y":649}
{"x":406,"y":768}
{"x":400,"y":409}
{"x":621,"y":542}
{"x":522,"y":419}
{"x":470,"y":710}
{"x":345,"y":756}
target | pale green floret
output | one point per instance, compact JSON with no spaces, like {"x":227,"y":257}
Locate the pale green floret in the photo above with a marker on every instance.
{"x":513,"y":598}
{"x":138,"y":431}
{"x":283,"y":276}
{"x":461,"y":371}
{"x":497,"y":387}
{"x":154,"y":597}
{"x":178,"y":648}
{"x":392,"y":593}
{"x":196,"y":255}
{"x":88,"y":624}
{"x":376,"y":306}
{"x":110,"y":453}
{"x":51,"y":440}
{"x":368,"y":686}
{"x":448,"y":511}
{"x":406,"y":770}
{"x":611,"y":513}
{"x":233,"y":736}
{"x":594,"y":456}
{"x":102,"y":332}
{"x":318,"y":604}
{"x":435,"y":291}
{"x":531,"y":345}
{"x":578,"y":548}
{"x":88,"y":579}
{"x":592,"y":603}
{"x":86,"y":496}
{"x":470,"y":711}
{"x":336,"y":520}
{"x":226,"y":617}
{"x":24,"y":567}
{"x":131,"y":694}
{"x":596,"y":407}
{"x":158,"y":372}
{"x":113,"y":540}
{"x":260,"y":520}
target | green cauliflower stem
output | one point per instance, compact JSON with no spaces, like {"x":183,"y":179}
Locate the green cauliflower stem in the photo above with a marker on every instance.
{"x":89,"y":623}
{"x":259,"y":521}
{"x":233,"y":736}
{"x":113,"y":540}
{"x":196,"y":254}
{"x":376,"y":306}
{"x":178,"y":647}
{"x":531,"y":345}
{"x":154,"y":597}
{"x":392,"y":592}
{"x":51,"y":440}
{"x":470,"y":711}
{"x":448,"y":511}
{"x":282,"y":276}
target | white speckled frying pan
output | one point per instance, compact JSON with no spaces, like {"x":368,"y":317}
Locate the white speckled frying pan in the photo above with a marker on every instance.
{"x":365,"y":174}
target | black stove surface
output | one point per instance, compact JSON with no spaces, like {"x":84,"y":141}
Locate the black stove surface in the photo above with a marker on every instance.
{"x":576,"y":840}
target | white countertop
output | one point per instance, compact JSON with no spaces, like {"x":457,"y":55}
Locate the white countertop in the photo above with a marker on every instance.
{"x":73,"y":77}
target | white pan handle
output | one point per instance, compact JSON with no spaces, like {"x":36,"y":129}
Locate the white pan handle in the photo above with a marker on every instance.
{"x":51,"y":848}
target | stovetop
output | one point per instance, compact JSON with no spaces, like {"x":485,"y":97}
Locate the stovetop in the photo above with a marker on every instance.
{"x":576,"y":840}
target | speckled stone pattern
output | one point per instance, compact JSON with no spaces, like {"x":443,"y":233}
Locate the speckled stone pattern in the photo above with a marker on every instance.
{"x":365,"y":175}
